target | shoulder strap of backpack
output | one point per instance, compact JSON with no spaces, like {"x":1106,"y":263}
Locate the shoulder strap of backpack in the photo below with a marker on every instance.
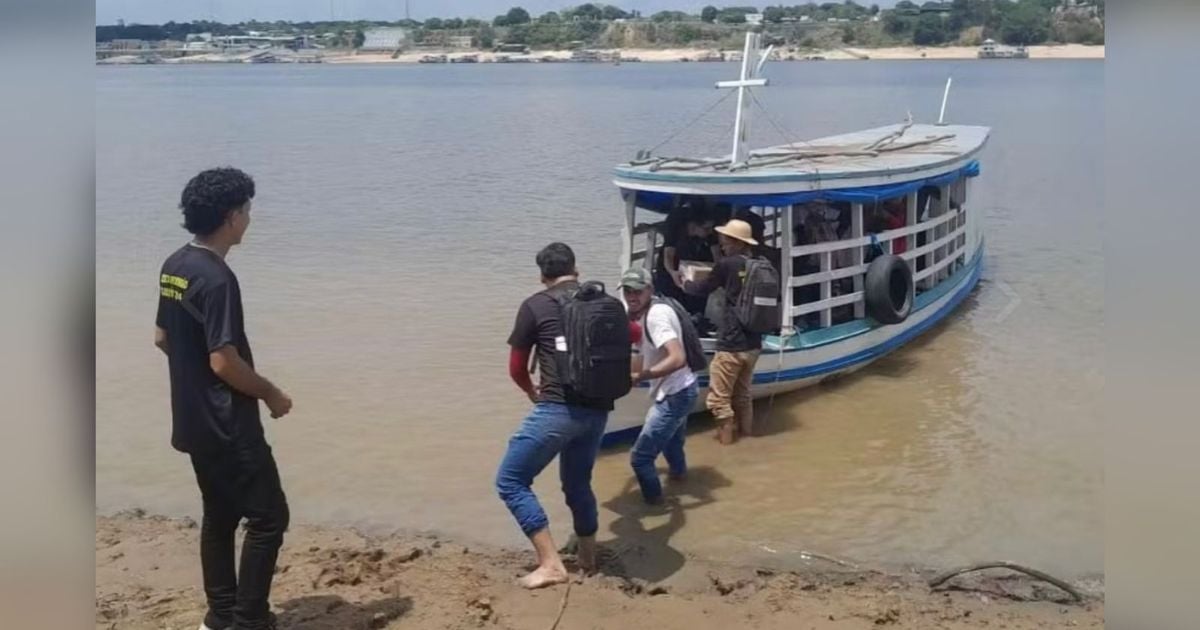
{"x":654,"y":301}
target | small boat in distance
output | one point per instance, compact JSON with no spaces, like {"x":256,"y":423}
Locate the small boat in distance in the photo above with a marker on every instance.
{"x":870,"y":232}
{"x":991,"y":50}
{"x":433,"y":59}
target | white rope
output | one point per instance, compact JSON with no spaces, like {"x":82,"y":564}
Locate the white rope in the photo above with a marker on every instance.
{"x":692,"y":122}
{"x":779,"y":127}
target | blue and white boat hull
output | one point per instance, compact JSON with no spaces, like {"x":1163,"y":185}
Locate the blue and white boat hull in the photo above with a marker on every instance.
{"x":811,"y":357}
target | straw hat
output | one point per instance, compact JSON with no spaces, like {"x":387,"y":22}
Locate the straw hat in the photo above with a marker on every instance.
{"x":738,"y":229}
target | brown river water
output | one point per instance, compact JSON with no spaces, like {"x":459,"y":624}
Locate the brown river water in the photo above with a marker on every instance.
{"x":398,"y":213}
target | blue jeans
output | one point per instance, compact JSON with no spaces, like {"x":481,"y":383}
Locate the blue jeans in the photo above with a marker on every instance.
{"x":573,"y":434}
{"x":663,"y":432}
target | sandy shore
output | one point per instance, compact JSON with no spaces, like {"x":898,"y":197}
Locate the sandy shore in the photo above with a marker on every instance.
{"x":1068,"y":51}
{"x":147,"y":576}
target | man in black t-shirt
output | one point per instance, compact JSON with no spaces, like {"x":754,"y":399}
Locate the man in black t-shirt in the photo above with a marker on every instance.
{"x":214,"y":402}
{"x":688,"y":236}
{"x":732,"y":368}
{"x":562,"y":423}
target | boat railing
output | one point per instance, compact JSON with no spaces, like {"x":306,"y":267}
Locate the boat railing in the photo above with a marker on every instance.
{"x":651,"y":232}
{"x":945,"y":243}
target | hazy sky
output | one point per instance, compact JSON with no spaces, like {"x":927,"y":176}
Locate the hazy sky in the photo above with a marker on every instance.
{"x":159,"y":11}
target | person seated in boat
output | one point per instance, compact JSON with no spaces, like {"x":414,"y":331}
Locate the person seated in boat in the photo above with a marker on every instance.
{"x":688,"y":236}
{"x":732,"y":369}
{"x":891,"y":214}
{"x":926,"y":198}
{"x":721,"y":212}
{"x":822,"y":222}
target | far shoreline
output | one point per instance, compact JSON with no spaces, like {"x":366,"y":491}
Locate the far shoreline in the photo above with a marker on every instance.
{"x":677,"y":55}
{"x":645,"y":55}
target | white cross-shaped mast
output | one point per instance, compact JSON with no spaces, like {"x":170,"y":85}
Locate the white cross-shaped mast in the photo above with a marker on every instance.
{"x":752,"y":63}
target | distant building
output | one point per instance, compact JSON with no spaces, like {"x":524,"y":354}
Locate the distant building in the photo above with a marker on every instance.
{"x":754,"y":18}
{"x":517,"y":49}
{"x":385,"y":39}
{"x":1077,"y":8}
{"x":460,"y":41}
{"x":129,"y":44}
{"x":261,"y":40}
{"x":941,"y":8}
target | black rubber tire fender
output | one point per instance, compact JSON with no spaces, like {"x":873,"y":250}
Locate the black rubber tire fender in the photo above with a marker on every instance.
{"x":889,"y":289}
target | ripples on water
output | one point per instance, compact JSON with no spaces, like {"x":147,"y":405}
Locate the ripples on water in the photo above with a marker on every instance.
{"x":399,"y":210}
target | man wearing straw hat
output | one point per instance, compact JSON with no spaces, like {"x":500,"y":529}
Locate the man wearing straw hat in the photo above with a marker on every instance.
{"x":732,"y":368}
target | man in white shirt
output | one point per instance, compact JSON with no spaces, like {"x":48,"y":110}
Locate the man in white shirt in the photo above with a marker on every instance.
{"x":663,"y":362}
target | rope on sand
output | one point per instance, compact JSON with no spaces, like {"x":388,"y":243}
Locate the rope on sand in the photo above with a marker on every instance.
{"x":943,"y":578}
{"x":562,"y":607}
{"x":831,"y":559}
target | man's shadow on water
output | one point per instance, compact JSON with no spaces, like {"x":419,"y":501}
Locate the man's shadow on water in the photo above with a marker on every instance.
{"x":331,"y":612}
{"x":639,"y":552}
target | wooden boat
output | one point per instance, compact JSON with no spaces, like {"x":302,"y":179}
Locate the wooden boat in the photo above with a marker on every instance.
{"x":921,"y":172}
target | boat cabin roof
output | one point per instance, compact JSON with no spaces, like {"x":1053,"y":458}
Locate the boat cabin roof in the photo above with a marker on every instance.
{"x":862,"y":159}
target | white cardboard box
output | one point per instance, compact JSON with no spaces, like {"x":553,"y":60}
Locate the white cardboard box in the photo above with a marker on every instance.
{"x":695,"y":271}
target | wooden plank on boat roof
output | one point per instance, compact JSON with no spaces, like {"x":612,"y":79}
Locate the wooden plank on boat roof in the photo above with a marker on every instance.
{"x":964,"y":141}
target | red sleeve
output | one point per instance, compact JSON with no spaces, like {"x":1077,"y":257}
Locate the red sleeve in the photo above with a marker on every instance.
{"x":518,"y":368}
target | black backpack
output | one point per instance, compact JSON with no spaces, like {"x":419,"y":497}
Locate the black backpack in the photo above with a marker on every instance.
{"x":757,"y":305}
{"x":696,"y":359}
{"x":595,"y":363}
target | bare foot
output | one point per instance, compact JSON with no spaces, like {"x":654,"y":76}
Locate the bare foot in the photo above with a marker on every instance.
{"x":585,"y":554}
{"x":726,"y":435}
{"x":542,"y":577}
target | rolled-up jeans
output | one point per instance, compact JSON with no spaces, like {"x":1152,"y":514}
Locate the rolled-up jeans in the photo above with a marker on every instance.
{"x":663,"y":432}
{"x":573,"y":434}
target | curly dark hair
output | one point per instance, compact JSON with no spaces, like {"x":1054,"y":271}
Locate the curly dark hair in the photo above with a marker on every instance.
{"x":556,"y":260}
{"x":210,"y":196}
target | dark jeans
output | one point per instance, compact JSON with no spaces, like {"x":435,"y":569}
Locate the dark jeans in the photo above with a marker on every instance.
{"x":573,"y":434}
{"x":234,"y":486}
{"x":663,"y":433}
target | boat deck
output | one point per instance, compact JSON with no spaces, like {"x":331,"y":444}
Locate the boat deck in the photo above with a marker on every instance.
{"x":884,"y":151}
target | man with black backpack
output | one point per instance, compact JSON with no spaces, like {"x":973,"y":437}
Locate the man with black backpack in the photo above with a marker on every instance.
{"x":583,"y":341}
{"x":670,"y":351}
{"x":751,"y":309}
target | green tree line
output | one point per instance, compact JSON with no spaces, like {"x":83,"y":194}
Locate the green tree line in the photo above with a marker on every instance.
{"x":829,"y":23}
